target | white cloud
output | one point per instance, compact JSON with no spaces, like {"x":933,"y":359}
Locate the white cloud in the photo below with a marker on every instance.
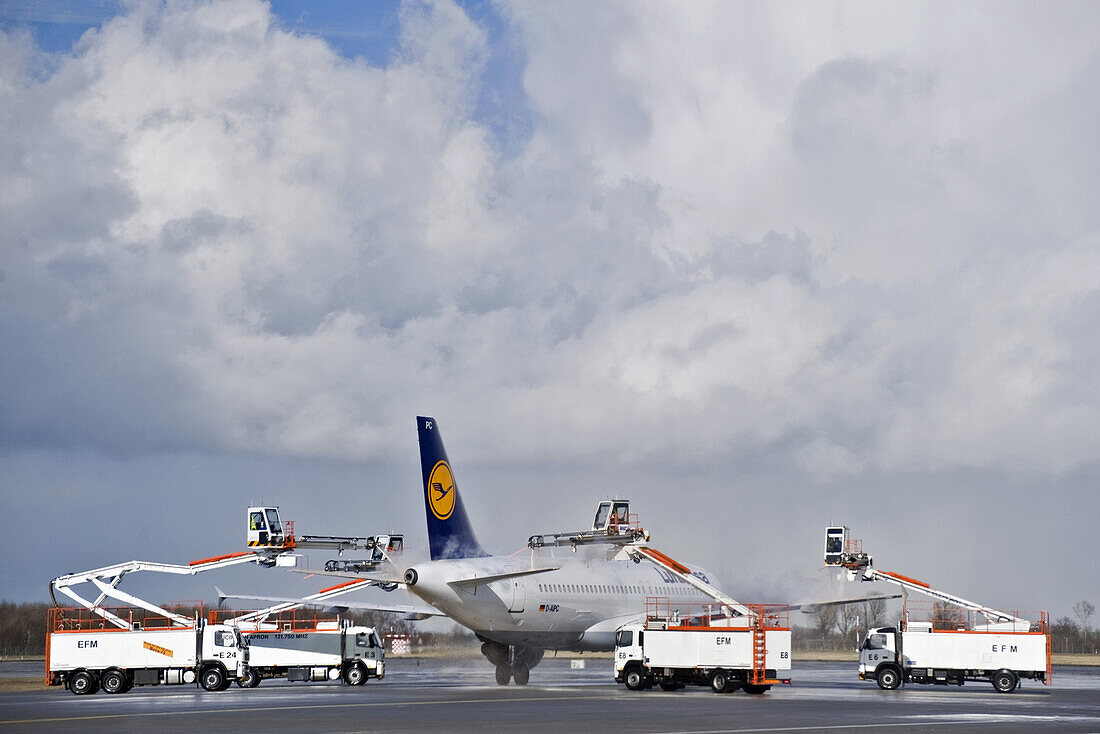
{"x":831,"y":235}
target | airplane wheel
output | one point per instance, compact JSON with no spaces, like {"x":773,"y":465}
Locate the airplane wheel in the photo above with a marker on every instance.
{"x":521,"y":674}
{"x":504,"y":674}
{"x":1005,"y":681}
{"x":113,"y":681}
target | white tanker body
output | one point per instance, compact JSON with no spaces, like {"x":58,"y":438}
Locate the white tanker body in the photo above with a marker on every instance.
{"x":305,"y":649}
{"x":85,"y":654}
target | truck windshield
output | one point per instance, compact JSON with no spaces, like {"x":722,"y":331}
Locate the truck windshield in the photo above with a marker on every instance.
{"x":256,"y":521}
{"x":601,"y":516}
{"x":875,"y":642}
{"x":624,"y":639}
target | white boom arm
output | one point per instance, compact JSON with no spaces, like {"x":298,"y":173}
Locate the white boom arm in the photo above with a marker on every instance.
{"x":991,"y":615}
{"x":107,"y":579}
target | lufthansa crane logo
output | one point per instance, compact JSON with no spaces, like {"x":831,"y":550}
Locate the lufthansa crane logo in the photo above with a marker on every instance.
{"x":441,"y":491}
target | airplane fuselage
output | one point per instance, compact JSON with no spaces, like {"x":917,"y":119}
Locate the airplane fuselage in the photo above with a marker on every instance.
{"x":578,"y":606}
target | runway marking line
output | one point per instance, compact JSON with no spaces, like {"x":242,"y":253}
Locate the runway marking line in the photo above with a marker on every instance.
{"x":932,"y":721}
{"x":303,"y":708}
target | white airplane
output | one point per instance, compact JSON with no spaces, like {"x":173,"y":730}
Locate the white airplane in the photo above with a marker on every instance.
{"x":519,"y":606}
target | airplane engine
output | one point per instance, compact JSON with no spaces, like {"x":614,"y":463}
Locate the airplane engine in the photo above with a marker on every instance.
{"x":529,"y":656}
{"x":495,"y":652}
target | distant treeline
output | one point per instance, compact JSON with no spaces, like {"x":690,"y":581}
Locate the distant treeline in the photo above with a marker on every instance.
{"x":22,"y":628}
{"x":1068,"y":636}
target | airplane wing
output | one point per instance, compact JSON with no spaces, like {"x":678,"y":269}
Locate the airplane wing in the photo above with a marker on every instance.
{"x":377,"y":578}
{"x":490,"y":578}
{"x":410,"y":611}
{"x":811,"y":607}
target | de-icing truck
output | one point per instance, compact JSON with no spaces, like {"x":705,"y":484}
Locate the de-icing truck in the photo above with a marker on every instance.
{"x":726,"y":645}
{"x":301,"y":646}
{"x":87,"y":651}
{"x":949,"y":641}
{"x":676,"y":648}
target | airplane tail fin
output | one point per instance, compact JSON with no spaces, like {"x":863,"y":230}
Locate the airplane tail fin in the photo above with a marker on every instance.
{"x":449,"y":531}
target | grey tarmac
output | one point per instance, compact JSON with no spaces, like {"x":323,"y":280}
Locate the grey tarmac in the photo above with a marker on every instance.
{"x":460,"y":696}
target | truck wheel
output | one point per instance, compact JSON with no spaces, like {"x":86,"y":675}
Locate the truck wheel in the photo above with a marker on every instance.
{"x":212,"y":678}
{"x":888,"y":677}
{"x":251,"y":679}
{"x":521,"y":674}
{"x":719,"y":681}
{"x":1005,"y":681}
{"x":83,"y":683}
{"x":504,"y":674}
{"x":113,"y":681}
{"x":355,"y":675}
{"x":633,"y":678}
{"x":756,"y":689}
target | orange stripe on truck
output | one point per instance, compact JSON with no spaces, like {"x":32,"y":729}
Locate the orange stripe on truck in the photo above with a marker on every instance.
{"x":158,"y":649}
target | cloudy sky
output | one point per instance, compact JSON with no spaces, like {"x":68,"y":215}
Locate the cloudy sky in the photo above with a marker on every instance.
{"x":759,"y":267}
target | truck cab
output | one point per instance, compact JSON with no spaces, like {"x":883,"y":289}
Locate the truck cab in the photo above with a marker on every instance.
{"x":628,"y":648}
{"x":363,"y":645}
{"x":223,"y":646}
{"x":880,"y":646}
